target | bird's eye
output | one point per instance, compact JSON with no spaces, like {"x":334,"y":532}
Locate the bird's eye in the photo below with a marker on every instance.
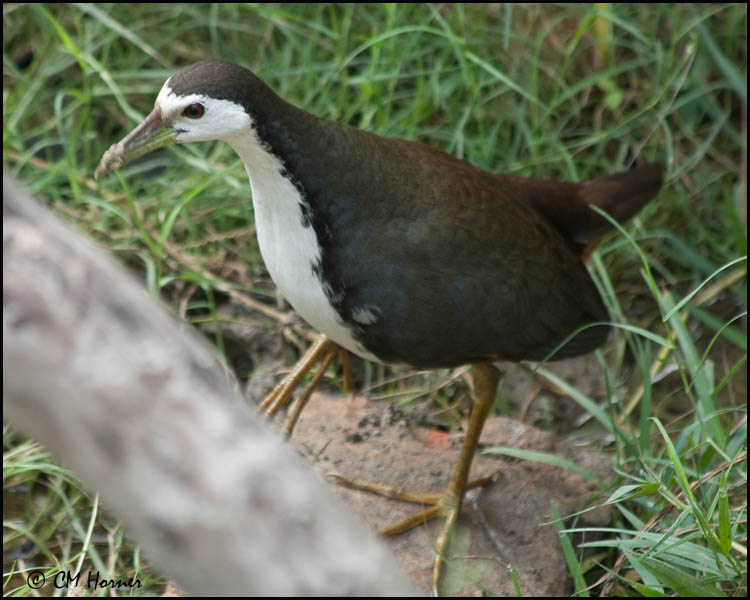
{"x":194,"y":111}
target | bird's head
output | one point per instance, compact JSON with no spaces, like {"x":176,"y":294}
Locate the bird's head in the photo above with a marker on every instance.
{"x":199,"y":103}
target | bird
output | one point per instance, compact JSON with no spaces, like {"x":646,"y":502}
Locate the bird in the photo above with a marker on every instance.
{"x":398,"y":252}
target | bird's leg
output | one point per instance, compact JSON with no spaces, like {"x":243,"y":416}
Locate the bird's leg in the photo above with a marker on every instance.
{"x":302,"y":399}
{"x":486,"y":380}
{"x":322,"y":349}
{"x":346,"y":368}
{"x":447,"y":504}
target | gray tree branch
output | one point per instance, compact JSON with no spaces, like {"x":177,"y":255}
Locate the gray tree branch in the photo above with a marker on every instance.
{"x":141,"y":410}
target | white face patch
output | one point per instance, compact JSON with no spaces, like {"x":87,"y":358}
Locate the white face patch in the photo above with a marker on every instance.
{"x":289,"y":249}
{"x":221,"y":118}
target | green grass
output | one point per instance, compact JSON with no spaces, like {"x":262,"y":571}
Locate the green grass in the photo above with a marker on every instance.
{"x":561,"y":92}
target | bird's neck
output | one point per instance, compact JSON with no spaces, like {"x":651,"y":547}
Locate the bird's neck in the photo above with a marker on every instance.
{"x":288,"y":241}
{"x":279,"y":198}
{"x":281,"y":150}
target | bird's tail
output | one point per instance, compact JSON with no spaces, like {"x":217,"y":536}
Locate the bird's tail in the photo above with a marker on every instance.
{"x":621,"y":196}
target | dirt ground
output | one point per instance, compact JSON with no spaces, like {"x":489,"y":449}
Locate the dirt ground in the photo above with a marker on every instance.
{"x":505,"y":523}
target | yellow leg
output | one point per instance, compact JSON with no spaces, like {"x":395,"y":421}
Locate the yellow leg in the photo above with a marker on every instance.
{"x":486,"y":379}
{"x":447,"y":504}
{"x":346,"y":368}
{"x":302,"y":400}
{"x":322,"y":347}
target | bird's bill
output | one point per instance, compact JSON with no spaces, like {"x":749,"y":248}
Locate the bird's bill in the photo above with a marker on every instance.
{"x":151,"y":134}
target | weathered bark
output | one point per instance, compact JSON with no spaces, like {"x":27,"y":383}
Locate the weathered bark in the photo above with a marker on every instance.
{"x":141,"y":410}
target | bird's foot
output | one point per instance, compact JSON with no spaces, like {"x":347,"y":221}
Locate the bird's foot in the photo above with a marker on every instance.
{"x":323,"y":350}
{"x":447,"y":505}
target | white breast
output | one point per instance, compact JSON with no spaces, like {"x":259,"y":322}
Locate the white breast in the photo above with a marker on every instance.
{"x":289,"y":249}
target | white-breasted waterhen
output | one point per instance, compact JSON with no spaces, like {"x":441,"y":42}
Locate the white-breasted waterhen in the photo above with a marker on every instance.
{"x":397,"y":251}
